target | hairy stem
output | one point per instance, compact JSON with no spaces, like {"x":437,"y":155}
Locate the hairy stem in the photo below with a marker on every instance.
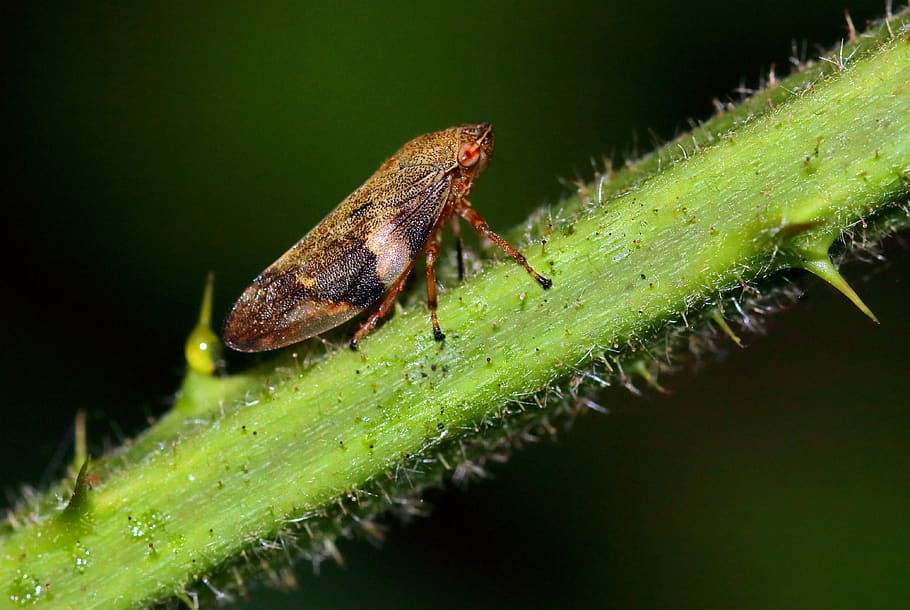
{"x":301,"y":451}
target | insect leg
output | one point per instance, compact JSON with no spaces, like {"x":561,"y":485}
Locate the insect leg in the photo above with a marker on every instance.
{"x":384,"y":306}
{"x":480,"y":225}
{"x":432,"y":255}
{"x":456,"y":233}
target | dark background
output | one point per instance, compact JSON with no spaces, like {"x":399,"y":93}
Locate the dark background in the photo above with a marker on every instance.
{"x":146,"y":144}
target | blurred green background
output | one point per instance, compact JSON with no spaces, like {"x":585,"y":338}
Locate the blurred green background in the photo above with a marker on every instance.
{"x":147,"y":143}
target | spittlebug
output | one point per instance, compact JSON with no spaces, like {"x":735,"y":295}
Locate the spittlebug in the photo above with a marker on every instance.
{"x":360,"y":255}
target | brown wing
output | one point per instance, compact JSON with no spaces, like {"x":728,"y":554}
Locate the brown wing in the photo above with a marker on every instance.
{"x":344,"y":264}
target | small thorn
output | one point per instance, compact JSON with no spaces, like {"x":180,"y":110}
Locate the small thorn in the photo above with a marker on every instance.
{"x":333,"y":552}
{"x":205,"y":310}
{"x":824,"y":268}
{"x":722,"y":324}
{"x":78,"y":505}
{"x":851,"y":29}
{"x":203,"y":347}
{"x":642,"y":371}
{"x":80,"y":453}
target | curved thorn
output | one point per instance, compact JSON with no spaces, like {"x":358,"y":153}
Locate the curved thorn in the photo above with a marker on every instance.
{"x":825,"y":269}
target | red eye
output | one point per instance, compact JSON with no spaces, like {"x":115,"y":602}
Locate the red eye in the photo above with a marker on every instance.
{"x":469,"y":154}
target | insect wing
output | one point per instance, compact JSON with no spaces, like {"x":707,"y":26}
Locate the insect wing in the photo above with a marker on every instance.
{"x":403,"y":225}
{"x":344,"y":265}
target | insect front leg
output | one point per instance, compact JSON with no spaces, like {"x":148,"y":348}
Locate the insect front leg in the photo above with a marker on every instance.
{"x":480,"y":225}
{"x":384,"y":306}
{"x":432,"y":256}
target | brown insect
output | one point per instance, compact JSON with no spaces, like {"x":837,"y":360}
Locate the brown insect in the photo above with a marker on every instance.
{"x":363,"y":251}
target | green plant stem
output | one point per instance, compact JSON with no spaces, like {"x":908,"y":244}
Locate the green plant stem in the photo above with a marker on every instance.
{"x":303,"y":450}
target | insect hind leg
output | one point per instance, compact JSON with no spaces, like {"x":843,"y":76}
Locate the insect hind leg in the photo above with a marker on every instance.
{"x":432,"y":256}
{"x":480,"y":225}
